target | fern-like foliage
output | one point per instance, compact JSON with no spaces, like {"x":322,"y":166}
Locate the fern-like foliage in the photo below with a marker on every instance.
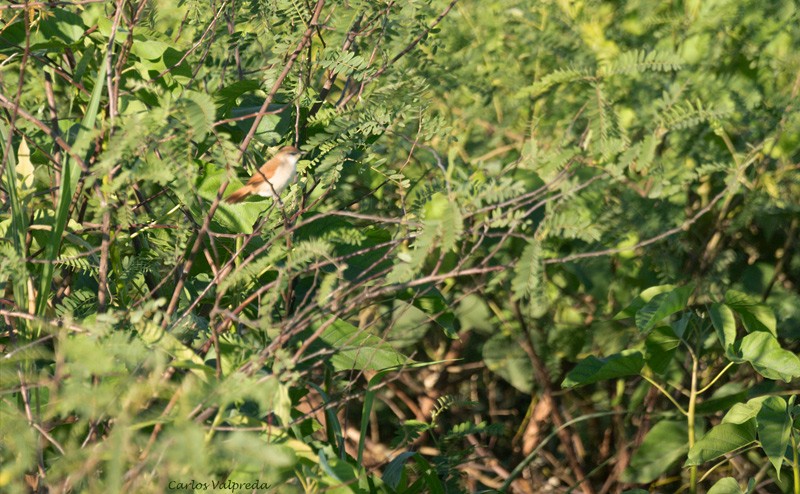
{"x":82,"y":264}
{"x":638,"y":61}
{"x":688,"y":114}
{"x":459,"y":431}
{"x":78,"y":304}
{"x":559,"y":77}
{"x":529,"y":272}
{"x":349,"y":64}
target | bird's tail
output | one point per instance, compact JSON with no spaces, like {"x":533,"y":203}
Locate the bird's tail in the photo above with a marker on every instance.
{"x":239,"y":195}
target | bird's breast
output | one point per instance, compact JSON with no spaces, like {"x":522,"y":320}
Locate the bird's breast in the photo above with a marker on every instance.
{"x":283,"y":175}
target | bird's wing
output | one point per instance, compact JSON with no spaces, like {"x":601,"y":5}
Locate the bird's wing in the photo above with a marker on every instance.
{"x":267,"y":171}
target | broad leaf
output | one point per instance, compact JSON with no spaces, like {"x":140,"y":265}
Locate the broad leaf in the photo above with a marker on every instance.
{"x":237,"y":218}
{"x":642,"y":300}
{"x":353,"y":348}
{"x":430,"y":301}
{"x":722,"y":439}
{"x":663,"y":445}
{"x":661,"y":344}
{"x":24,"y":166}
{"x":774,"y":430}
{"x":728,"y":485}
{"x":724,"y":325}
{"x":506,"y":358}
{"x":662,"y":306}
{"x":395,"y":469}
{"x":755,"y":316}
{"x":767,"y":357}
{"x":593,"y":369}
{"x":742,"y":412}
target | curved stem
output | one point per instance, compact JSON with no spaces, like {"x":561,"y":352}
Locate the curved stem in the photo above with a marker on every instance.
{"x":664,"y":392}
{"x":721,"y":373}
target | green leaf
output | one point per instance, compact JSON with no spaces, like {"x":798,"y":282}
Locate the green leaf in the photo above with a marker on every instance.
{"x":340,"y":473}
{"x":271,"y":395}
{"x":774,"y":430}
{"x":505,"y":357}
{"x":641,"y":300}
{"x":24,"y":166}
{"x":148,"y":49}
{"x":184,"y":356}
{"x":728,"y":485}
{"x":394,"y":470}
{"x":366,"y":412}
{"x":755,"y":316}
{"x":663,"y":445}
{"x":430,"y":301}
{"x":558,"y":77}
{"x":199,"y":112}
{"x":452,"y":226}
{"x":593,"y":369}
{"x":257,"y":460}
{"x":638,"y":61}
{"x":661,"y":344}
{"x":70,"y":174}
{"x":64,"y":25}
{"x":408,"y":263}
{"x":429,"y":480}
{"x":237,"y":218}
{"x":528,"y":272}
{"x":661,"y":306}
{"x":724,"y":325}
{"x":722,"y":439}
{"x":767,"y":357}
{"x":226,"y":97}
{"x":353,"y":348}
{"x":19,"y":223}
{"x":742,"y":412}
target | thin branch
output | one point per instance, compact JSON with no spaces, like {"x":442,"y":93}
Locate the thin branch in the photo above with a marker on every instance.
{"x":413,"y":43}
{"x":286,"y":69}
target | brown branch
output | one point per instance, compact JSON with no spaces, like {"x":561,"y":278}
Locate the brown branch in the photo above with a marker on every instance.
{"x":187,"y":264}
{"x":55,"y":323}
{"x":661,"y":236}
{"x":289,"y":63}
{"x":542,"y":377}
{"x":102,"y":276}
{"x":403,"y":52}
{"x":411,"y":45}
{"x":5,"y":102}
{"x":27,"y":5}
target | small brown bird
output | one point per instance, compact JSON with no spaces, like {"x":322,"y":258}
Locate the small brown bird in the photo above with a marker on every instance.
{"x":271,"y":178}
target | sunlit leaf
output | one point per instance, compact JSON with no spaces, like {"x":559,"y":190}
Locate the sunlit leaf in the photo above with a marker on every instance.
{"x":767,"y":357}
{"x":755,"y":316}
{"x":720,"y":440}
{"x":662,"y":306}
{"x":24,"y":166}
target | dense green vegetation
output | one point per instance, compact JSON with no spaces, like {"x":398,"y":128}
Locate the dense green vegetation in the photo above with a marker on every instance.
{"x":534,"y":246}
